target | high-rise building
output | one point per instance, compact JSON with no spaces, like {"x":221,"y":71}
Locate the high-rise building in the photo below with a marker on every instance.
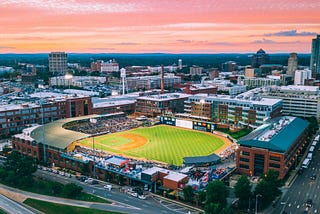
{"x":229,"y":66}
{"x":259,"y":58}
{"x":315,"y":57}
{"x":195,"y":70}
{"x":58,"y":63}
{"x":301,"y":76}
{"x":292,"y":64}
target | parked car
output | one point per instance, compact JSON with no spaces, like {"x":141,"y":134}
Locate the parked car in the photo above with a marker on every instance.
{"x":309,"y":203}
{"x":143,"y":197}
{"x":313,"y":177}
{"x":108,"y":187}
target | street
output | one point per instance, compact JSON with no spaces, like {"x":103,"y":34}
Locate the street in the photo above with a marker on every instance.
{"x":11,"y":206}
{"x":302,"y":189}
{"x":122,"y":202}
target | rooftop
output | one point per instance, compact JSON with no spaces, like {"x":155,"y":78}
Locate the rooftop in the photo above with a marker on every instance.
{"x":164,"y":97}
{"x":246,"y":98}
{"x":175,"y":176}
{"x":278,"y":135}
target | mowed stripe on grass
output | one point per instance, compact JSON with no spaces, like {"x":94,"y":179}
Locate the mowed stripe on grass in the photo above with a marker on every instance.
{"x":164,"y":143}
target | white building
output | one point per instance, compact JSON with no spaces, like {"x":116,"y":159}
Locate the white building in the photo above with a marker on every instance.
{"x":302,"y":75}
{"x":109,"y":66}
{"x":299,"y":101}
{"x":79,"y":81}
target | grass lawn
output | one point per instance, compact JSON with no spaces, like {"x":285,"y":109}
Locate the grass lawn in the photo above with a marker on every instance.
{"x":163,"y":143}
{"x":236,"y":135}
{"x":45,"y":187}
{"x":53,"y":208}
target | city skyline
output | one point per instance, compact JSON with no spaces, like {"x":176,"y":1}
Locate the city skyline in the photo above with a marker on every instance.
{"x":196,"y":26}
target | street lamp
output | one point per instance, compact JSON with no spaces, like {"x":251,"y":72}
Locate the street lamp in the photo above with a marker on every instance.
{"x":257,"y":196}
{"x":69,"y":77}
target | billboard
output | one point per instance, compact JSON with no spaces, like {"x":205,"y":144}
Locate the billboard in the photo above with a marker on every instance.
{"x":203,"y":126}
{"x":184,"y":123}
{"x":168,"y":120}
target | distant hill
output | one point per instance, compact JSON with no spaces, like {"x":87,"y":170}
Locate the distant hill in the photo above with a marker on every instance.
{"x":153,"y":59}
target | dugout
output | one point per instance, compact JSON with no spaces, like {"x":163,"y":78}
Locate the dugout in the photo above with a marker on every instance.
{"x":202,"y":160}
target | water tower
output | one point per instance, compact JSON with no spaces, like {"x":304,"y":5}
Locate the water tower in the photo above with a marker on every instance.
{"x":123,"y":79}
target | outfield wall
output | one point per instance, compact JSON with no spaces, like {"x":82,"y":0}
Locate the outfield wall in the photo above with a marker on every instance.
{"x":189,"y":124}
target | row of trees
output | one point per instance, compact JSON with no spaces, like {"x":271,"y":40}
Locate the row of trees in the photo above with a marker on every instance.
{"x":17,"y":172}
{"x":214,"y":197}
{"x":267,"y":190}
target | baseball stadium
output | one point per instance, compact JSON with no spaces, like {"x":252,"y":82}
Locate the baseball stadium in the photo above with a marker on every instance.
{"x":98,"y":145}
{"x":116,"y":134}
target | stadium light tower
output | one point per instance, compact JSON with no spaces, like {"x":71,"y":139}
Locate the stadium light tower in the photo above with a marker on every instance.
{"x":93,"y":121}
{"x":69,"y":78}
{"x":43,"y":129}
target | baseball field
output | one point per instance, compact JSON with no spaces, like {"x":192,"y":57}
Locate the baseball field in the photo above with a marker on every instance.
{"x":160,"y":143}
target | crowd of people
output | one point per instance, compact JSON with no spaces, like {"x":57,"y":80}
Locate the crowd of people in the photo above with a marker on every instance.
{"x":217,"y":173}
{"x":229,"y":152}
{"x":103,"y":125}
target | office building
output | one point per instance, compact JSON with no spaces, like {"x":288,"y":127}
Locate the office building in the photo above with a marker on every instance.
{"x":275,"y":145}
{"x":259,"y":59}
{"x":195,"y":70}
{"x":260,"y":82}
{"x":152,"y":82}
{"x":58,"y":63}
{"x":156,"y":105}
{"x":315,"y":57}
{"x":301,"y":76}
{"x":229,"y":66}
{"x":298,"y":101}
{"x":292,"y":64}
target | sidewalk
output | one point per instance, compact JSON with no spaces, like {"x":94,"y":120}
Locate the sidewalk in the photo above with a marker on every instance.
{"x":20,"y":196}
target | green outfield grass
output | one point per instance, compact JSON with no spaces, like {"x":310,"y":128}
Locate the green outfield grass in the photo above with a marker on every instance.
{"x":163,"y":143}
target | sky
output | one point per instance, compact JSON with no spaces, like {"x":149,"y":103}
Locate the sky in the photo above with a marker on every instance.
{"x":158,"y":26}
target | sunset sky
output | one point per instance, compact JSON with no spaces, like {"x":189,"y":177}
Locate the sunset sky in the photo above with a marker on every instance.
{"x":166,"y":26}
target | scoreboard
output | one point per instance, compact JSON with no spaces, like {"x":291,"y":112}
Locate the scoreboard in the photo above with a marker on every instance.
{"x":168,"y":120}
{"x":196,"y":125}
{"x":203,"y":126}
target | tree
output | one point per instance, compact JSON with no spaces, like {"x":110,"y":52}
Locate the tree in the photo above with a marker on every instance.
{"x":188,"y":193}
{"x":21,"y":165}
{"x":268,"y":188}
{"x":243,"y":191}
{"x":217,"y":193}
{"x":202,"y":197}
{"x":71,"y":190}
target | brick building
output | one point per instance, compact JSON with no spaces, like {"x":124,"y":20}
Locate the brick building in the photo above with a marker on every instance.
{"x":275,"y":145}
{"x":155,"y":105}
{"x":244,"y":110}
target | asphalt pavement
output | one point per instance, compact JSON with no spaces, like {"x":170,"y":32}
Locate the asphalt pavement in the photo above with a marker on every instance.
{"x":13,"y":207}
{"x":302,"y":189}
{"x":122,"y":202}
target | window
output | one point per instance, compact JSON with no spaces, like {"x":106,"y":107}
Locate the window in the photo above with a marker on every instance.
{"x":244,"y":159}
{"x":244,"y":166}
{"x":275,"y":158}
{"x":274,"y":165}
{"x":245,"y":153}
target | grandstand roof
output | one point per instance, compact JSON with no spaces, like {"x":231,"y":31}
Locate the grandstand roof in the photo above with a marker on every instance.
{"x":56,"y":136}
{"x":213,"y":158}
{"x":279,"y":135}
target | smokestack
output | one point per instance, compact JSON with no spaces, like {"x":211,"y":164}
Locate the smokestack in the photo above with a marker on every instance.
{"x":162,"y":79}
